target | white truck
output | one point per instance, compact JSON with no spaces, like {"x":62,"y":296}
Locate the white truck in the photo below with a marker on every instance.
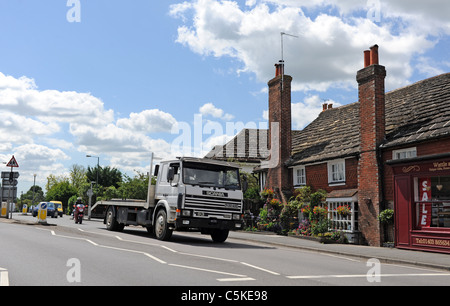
{"x":191,"y":194}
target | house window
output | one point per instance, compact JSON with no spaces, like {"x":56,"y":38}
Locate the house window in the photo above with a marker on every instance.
{"x":262,"y":180}
{"x":299,"y":176}
{"x":336,"y":172}
{"x":404,"y":153}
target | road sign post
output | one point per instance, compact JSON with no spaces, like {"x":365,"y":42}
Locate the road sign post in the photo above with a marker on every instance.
{"x":8,"y":180}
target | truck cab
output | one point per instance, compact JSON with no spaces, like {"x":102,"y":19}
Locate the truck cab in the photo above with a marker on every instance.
{"x":191,"y":194}
{"x":199,"y":194}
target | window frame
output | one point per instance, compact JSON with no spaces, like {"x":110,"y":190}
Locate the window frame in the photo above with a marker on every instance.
{"x":301,"y":176}
{"x":330,"y":165}
{"x":405,"y":150}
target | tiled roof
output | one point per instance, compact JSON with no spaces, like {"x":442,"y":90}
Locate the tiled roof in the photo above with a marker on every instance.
{"x":333,"y":134}
{"x":249,"y":145}
{"x":418,"y":112}
{"x":414,"y":113}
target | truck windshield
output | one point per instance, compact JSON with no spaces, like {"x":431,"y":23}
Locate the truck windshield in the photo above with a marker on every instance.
{"x":211,"y":175}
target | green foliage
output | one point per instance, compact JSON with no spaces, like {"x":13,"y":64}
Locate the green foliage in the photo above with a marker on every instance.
{"x":134,"y":188}
{"x":386,"y":216}
{"x":27,"y":198}
{"x":107,"y":176}
{"x":61,"y":191}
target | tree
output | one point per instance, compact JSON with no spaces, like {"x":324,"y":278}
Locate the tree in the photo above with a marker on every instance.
{"x":134,"y":188}
{"x":38,"y":194}
{"x":107,"y":176}
{"x":78,"y":177}
{"x":61,"y":191}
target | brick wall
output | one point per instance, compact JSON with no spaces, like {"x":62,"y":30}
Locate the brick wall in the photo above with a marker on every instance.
{"x":317,"y":176}
{"x":278,"y":177}
{"x":372,"y":132}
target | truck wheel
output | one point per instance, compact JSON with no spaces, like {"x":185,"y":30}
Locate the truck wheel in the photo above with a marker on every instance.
{"x":162,"y":230}
{"x":111,"y":222}
{"x":218,"y":235}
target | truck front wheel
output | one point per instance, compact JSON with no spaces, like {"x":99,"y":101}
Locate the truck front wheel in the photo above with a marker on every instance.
{"x":162,"y":230}
{"x":218,"y":235}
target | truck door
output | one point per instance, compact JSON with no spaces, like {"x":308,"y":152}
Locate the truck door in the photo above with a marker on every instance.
{"x":168,"y":185}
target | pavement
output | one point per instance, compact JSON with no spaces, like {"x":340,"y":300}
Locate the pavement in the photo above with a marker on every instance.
{"x":383,"y":254}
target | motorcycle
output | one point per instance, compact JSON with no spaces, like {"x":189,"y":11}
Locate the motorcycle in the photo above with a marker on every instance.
{"x":78,"y":213}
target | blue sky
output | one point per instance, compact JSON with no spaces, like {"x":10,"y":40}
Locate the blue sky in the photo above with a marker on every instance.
{"x":134,"y":77}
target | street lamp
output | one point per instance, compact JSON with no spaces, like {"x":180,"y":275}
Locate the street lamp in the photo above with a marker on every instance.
{"x":96,"y":183}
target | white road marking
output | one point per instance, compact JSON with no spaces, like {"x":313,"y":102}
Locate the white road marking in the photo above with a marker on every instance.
{"x":110,"y":247}
{"x":235,"y":279}
{"x":259,"y":268}
{"x":208,"y":270}
{"x":365,"y":275}
{"x":208,"y":257}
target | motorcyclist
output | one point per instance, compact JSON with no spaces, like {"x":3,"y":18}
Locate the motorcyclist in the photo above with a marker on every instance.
{"x":75,"y":210}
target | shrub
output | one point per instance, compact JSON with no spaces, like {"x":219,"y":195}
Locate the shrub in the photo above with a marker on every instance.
{"x":386,"y":216}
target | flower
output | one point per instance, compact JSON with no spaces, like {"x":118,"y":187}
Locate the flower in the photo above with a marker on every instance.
{"x":274,"y":202}
{"x":267,"y":192}
{"x":320,"y":211}
{"x":343,"y":210}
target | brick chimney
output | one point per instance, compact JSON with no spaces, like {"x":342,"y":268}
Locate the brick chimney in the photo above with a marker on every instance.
{"x":372,"y":132}
{"x":278,"y":177}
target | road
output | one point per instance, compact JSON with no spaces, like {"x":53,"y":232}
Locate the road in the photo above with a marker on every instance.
{"x":71,"y":254}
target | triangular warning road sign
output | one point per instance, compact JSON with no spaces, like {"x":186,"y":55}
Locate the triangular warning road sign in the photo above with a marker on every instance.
{"x":12,"y":163}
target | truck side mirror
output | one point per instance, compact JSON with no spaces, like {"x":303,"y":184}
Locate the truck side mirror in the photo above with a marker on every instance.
{"x":155,"y":173}
{"x":170,"y":174}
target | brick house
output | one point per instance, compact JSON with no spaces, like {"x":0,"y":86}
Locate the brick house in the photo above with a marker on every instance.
{"x":387,"y":150}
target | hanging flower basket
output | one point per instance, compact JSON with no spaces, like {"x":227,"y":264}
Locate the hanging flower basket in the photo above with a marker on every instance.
{"x":343,"y":210}
{"x":267,"y":193}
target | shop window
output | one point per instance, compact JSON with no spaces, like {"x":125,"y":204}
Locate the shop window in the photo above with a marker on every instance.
{"x":432,"y":202}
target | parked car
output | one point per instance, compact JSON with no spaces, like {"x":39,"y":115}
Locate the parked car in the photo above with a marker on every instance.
{"x":52,"y":211}
{"x":58,"y":207}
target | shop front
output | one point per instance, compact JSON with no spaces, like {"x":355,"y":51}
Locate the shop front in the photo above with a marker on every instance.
{"x":422,"y":203}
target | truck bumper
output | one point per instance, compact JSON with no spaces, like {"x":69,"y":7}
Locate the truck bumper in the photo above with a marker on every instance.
{"x":185,"y":223}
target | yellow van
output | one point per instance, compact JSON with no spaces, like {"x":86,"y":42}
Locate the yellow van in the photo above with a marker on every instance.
{"x":59,"y":208}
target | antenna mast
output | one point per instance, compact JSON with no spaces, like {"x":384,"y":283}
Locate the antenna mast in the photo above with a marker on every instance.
{"x":282,"y":55}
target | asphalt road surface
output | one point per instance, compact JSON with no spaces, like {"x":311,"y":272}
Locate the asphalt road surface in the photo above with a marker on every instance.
{"x":66,"y":254}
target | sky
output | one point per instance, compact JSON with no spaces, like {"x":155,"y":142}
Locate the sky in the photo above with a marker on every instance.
{"x":121,"y":79}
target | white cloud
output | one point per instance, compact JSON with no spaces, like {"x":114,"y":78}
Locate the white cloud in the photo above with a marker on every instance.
{"x":211,"y":110}
{"x":148,"y":121}
{"x":39,"y":125}
{"x":330,"y":47}
{"x":305,"y":112}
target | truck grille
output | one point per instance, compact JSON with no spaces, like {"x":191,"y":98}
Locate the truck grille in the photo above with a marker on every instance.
{"x":213,"y":204}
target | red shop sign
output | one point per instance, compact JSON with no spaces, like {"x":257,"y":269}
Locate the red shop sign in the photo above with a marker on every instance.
{"x":424,"y":196}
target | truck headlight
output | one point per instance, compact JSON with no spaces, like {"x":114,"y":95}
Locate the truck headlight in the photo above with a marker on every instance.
{"x":236,"y":217}
{"x":186,"y":213}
